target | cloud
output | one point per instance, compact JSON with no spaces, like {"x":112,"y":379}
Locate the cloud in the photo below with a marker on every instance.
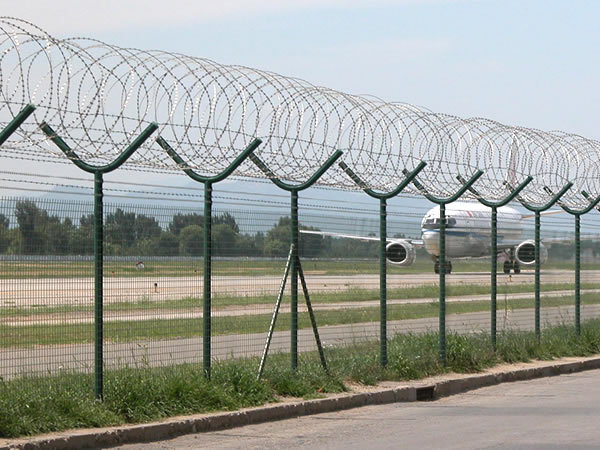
{"x":68,"y":17}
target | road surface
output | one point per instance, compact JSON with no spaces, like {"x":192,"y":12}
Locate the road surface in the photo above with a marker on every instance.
{"x":551,"y":413}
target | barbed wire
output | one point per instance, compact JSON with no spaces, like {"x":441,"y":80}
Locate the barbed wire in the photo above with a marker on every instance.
{"x":99,"y":97}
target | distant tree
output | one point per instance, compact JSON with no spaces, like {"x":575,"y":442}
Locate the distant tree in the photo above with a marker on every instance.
{"x":167,"y":244}
{"x":32,"y":221}
{"x":191,"y":240}
{"x":259,"y":242}
{"x":277,"y":240}
{"x":87,"y":222}
{"x":82,"y":238}
{"x":4,"y":234}
{"x":223,"y":240}
{"x":180,"y":221}
{"x":349,"y":248}
{"x":59,"y":236}
{"x":246,"y":245}
{"x":120,"y":228}
{"x":146,"y":227}
{"x":311,"y":245}
{"x":226,"y":219}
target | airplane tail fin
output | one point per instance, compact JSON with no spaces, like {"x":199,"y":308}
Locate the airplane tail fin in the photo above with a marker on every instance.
{"x":512,"y":162}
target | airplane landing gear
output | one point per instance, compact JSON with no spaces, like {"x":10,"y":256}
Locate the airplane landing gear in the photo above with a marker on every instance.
{"x":448,"y":267}
{"x":514,"y":265}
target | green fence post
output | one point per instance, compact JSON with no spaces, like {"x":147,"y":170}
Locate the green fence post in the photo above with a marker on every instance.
{"x":536,"y":252}
{"x":294,"y":225}
{"x":442,"y":202}
{"x":494,"y":248}
{"x":383,"y":197}
{"x":207,"y":250}
{"x":16,"y":123}
{"x":577,"y":214}
{"x":538,"y":210}
{"x":294,"y":280}
{"x":207,"y":282}
{"x":578,"y":275}
{"x":98,"y":285}
{"x":98,"y":172}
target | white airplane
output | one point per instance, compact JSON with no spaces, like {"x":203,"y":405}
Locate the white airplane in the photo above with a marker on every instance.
{"x":468,"y":234}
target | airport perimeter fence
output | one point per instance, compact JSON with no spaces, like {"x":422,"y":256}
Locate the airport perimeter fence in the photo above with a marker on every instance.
{"x":129,"y":275}
{"x":152,"y":282}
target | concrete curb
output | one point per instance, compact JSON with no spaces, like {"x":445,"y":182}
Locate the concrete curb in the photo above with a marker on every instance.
{"x":107,"y":437}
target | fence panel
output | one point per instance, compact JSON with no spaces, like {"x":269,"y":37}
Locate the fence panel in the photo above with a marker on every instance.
{"x":46,"y":291}
{"x":153,"y":280}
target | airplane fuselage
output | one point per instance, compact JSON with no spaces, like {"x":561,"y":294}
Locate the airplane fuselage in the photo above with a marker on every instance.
{"x":468,"y":230}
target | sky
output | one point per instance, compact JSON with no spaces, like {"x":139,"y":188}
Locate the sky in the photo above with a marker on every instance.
{"x":532,"y":63}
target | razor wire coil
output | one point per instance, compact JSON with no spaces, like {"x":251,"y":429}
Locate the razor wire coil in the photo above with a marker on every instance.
{"x":98,"y":97}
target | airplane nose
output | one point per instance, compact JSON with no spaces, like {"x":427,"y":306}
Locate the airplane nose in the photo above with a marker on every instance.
{"x":432,"y":243}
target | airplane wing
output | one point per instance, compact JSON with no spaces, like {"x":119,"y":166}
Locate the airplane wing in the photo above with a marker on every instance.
{"x":546,"y":241}
{"x":571,"y":240}
{"x":414,"y":242}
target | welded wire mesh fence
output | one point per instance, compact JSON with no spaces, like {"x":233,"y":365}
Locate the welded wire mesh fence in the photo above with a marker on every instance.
{"x":138,"y":275}
{"x":153,"y":279}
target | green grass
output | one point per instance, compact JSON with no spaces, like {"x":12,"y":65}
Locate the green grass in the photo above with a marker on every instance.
{"x":33,"y":405}
{"x":160,"y":329}
{"x":238,"y":267}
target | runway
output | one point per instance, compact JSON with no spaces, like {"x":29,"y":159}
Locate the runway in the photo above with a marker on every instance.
{"x":28,"y":292}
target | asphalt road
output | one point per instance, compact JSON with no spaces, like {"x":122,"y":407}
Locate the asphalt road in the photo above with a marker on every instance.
{"x":561,"y":412}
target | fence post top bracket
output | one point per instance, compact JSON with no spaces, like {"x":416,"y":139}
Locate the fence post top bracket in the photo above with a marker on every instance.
{"x":548,"y":205}
{"x":453,"y":198}
{"x":409,"y":176}
{"x":124,"y":156}
{"x":299,"y":187}
{"x":212,"y":179}
{"x":502,"y":202}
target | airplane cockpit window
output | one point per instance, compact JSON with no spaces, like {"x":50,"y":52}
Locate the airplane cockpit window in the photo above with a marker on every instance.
{"x":429,"y":224}
{"x":434,"y":224}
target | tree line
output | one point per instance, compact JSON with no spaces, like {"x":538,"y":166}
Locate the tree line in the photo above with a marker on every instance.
{"x":129,"y":233}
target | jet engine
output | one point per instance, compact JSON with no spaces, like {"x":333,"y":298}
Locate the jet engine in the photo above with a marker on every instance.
{"x":400,"y":253}
{"x":525,"y":253}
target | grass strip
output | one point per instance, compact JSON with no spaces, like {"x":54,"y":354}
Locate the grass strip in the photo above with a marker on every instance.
{"x":33,"y":405}
{"x":65,"y":268}
{"x":160,"y":329}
